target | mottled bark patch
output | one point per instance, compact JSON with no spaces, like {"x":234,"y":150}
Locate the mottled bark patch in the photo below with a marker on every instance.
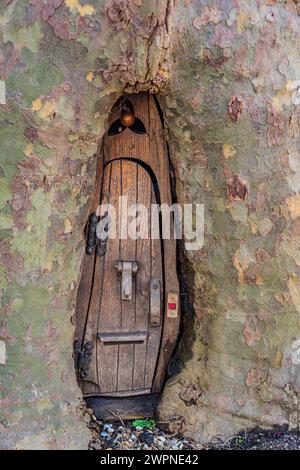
{"x":235,"y":108}
{"x":237,"y":188}
{"x":189,"y":394}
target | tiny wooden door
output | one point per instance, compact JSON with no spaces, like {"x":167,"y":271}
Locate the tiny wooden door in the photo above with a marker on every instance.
{"x":123,"y":344}
{"x":126,"y":332}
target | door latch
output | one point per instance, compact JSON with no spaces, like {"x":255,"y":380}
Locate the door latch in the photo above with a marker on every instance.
{"x":155,"y":304}
{"x":128,"y":269}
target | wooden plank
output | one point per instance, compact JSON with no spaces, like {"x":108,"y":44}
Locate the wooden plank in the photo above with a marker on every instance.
{"x":143,"y":280}
{"x":171,"y":325}
{"x":90,"y":384}
{"x":88,"y":264}
{"x":126,"y":393}
{"x":110,"y":307}
{"x":153,"y":346}
{"x":125,"y":337}
{"x":127,"y":253}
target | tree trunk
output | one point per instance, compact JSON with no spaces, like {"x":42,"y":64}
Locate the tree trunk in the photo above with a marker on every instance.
{"x":228,"y":82}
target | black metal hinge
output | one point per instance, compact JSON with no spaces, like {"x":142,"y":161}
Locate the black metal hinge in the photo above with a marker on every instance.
{"x":82,"y":358}
{"x":92,"y":240}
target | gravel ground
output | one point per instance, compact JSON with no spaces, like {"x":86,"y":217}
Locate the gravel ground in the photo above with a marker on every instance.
{"x":278,"y":438}
{"x":124,"y":436}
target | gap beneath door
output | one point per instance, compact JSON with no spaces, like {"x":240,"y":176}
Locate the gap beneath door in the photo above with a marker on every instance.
{"x":113,"y":408}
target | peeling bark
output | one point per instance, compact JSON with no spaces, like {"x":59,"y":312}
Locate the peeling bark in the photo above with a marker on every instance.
{"x":227,"y":78}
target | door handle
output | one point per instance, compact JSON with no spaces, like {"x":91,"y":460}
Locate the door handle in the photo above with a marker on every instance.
{"x":155,"y":304}
{"x":128,"y":269}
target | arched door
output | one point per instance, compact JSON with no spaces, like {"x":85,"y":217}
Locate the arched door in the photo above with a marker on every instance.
{"x":127,"y":312}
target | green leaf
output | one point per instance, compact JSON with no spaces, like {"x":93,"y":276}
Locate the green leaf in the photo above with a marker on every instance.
{"x":143,"y":423}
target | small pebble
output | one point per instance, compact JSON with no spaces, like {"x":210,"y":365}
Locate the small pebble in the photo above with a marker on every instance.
{"x":147,"y":438}
{"x":114,"y":436}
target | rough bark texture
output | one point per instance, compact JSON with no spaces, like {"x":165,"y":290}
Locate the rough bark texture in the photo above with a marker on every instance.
{"x":228,"y":78}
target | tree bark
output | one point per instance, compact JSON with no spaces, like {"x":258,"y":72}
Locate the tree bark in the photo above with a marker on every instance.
{"x":227,"y":77}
